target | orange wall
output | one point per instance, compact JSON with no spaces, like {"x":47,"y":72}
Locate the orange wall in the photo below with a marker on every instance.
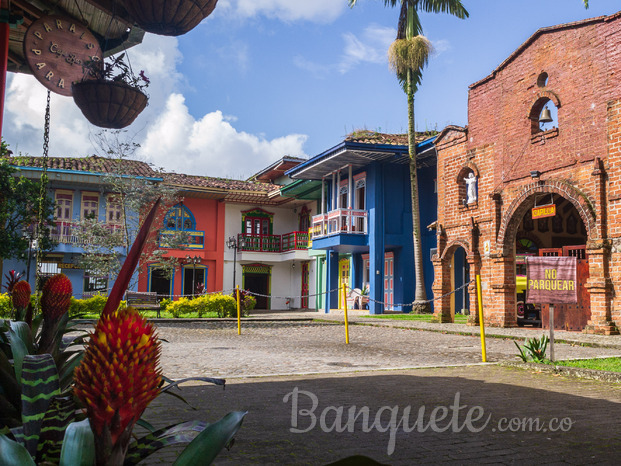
{"x":209,"y":216}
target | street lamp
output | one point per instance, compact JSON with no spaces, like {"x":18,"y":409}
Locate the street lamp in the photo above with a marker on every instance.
{"x":193,"y":260}
{"x":235,"y":244}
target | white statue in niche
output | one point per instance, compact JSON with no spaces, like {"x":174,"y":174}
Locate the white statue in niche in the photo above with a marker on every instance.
{"x":471,"y":191}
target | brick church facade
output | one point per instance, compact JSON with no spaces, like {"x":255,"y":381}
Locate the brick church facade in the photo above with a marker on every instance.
{"x":569,"y":74}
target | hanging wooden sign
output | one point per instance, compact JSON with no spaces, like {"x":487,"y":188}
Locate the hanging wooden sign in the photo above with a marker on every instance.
{"x":55,"y":48}
{"x":548,"y":210}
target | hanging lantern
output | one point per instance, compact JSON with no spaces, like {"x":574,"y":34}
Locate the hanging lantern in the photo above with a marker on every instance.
{"x":109,"y":104}
{"x":168,"y":17}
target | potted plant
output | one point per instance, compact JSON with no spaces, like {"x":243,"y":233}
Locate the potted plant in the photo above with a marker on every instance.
{"x":169,"y":17}
{"x":110,"y":95}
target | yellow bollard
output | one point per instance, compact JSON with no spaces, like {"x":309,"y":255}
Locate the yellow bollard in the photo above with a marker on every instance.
{"x":345,"y":310}
{"x":238,"y":313}
{"x":481,"y":321}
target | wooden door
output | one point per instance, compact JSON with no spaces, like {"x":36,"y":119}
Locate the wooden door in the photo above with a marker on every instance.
{"x":305,"y":279}
{"x":389,"y":286}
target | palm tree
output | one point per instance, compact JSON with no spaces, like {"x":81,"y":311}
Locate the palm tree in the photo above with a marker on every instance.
{"x":408,"y":56}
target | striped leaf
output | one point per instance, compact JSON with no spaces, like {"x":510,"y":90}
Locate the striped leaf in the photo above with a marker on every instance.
{"x":171,"y":435}
{"x":59,"y":415}
{"x":39,"y":386}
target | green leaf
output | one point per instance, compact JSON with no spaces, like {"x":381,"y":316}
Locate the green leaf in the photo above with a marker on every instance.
{"x":204,"y":448}
{"x":13,"y":453}
{"x":79,"y":445}
{"x":66,"y":372}
{"x":19,"y":350}
{"x":23,"y":330}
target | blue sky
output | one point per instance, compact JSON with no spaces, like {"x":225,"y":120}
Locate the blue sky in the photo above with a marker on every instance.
{"x":260,"y":79}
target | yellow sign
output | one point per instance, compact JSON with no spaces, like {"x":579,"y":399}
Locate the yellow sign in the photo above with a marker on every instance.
{"x":544,"y":211}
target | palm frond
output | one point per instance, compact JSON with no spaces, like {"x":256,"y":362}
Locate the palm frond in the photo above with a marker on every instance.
{"x":452,"y":7}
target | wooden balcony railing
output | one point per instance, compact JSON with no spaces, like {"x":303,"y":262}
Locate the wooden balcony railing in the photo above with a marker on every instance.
{"x":67,"y":233}
{"x":352,"y":221}
{"x":296,"y":240}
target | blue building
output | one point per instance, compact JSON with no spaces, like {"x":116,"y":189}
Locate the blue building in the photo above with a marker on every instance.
{"x":79,"y":190}
{"x":365,"y":219}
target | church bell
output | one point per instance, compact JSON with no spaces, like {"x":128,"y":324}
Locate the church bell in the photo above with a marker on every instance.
{"x":545,"y":117}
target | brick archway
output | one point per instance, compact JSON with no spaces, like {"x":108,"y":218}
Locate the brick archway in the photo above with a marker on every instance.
{"x":519,"y":206}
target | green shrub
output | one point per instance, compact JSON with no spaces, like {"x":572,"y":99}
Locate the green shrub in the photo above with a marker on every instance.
{"x":5,"y":305}
{"x":89,"y":306}
{"x":219,"y":304}
{"x":164,"y":303}
{"x":223,"y":305}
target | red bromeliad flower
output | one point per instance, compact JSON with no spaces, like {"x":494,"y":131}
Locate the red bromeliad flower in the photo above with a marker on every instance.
{"x":21,"y":295}
{"x":117,"y":378}
{"x":56,"y":296}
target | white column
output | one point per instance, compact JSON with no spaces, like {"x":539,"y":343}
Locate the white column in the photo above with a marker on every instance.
{"x":323,"y":196}
{"x":334,"y":193}
{"x":338,"y":190}
{"x":350,"y":186}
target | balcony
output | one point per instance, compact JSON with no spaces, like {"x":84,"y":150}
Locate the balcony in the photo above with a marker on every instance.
{"x":69,"y":233}
{"x":293,"y":241}
{"x":339,"y":221}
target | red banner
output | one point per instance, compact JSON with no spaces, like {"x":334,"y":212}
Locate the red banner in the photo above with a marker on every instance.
{"x":551,"y":279}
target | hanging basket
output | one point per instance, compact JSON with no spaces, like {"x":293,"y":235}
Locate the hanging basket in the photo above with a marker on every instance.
{"x":109,"y":104}
{"x":169,"y":17}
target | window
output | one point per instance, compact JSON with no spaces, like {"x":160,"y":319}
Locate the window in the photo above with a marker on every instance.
{"x":114,"y":210}
{"x":257,"y":222}
{"x":180,"y":218}
{"x":90,"y":206}
{"x":64,"y":205}
{"x":94,"y":283}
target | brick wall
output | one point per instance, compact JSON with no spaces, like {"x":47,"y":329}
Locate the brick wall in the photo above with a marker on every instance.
{"x":580,"y":161}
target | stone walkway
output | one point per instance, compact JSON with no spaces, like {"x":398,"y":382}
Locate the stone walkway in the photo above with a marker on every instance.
{"x":398,"y":371}
{"x":453,"y":415}
{"x":285,"y":347}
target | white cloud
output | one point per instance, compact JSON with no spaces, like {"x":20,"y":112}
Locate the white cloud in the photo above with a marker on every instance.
{"x":440,"y":46}
{"x":320,"y":11}
{"x":170,"y":137}
{"x":211,"y":145}
{"x":69,"y":130}
{"x":371,"y":47}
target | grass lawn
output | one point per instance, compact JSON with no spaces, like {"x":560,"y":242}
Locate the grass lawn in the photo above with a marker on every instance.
{"x":600,"y":364}
{"x":459,"y":319}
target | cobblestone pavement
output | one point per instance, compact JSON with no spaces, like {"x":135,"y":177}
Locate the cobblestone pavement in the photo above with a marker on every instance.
{"x":483,"y":414}
{"x":301,"y":347}
{"x":460,"y":413}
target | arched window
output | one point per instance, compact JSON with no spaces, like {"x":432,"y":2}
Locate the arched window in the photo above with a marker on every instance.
{"x":179,"y":218}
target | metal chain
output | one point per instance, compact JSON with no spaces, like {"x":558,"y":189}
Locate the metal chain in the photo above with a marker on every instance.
{"x":422,"y":302}
{"x":42,"y":194}
{"x":289,"y":297}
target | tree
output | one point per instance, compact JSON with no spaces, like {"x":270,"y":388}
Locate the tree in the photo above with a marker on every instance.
{"x":19,"y":206}
{"x":408,"y":56}
{"x":105,"y":245}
